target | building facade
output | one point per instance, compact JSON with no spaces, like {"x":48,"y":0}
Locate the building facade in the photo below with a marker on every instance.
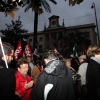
{"x":50,"y":34}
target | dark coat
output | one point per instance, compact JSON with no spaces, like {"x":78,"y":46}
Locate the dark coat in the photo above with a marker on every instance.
{"x":7,"y":82}
{"x":61,"y":79}
{"x":93,"y":80}
{"x":74,"y":64}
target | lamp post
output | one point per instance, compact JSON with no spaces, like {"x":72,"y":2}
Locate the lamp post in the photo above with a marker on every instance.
{"x":93,"y":6}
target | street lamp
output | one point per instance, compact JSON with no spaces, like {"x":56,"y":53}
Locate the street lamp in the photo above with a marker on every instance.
{"x":93,"y":6}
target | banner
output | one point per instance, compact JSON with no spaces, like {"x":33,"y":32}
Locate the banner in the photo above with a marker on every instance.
{"x":75,"y":52}
{"x":27,"y":51}
{"x":18,"y":51}
{"x":55,"y":50}
{"x":36,"y":53}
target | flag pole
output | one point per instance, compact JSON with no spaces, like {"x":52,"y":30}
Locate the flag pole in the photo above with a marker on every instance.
{"x":3,"y":52}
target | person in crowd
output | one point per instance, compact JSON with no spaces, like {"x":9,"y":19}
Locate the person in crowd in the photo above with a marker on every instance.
{"x":74,"y":63}
{"x":74,"y":73}
{"x":31,"y":65}
{"x":82,"y":71}
{"x":13,"y":63}
{"x":93,"y":73}
{"x":23,"y":81}
{"x":75,"y":76}
{"x":42,"y":65}
{"x":7,"y":78}
{"x":36,"y":71}
{"x":55,"y":81}
{"x":20,"y":58}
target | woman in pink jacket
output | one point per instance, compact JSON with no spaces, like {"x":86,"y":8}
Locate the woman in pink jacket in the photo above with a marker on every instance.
{"x":23,"y":81}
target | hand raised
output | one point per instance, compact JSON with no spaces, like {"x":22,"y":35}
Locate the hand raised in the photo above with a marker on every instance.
{"x":28,"y":85}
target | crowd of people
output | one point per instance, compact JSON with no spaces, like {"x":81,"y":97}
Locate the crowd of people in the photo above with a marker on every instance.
{"x":60,"y":79}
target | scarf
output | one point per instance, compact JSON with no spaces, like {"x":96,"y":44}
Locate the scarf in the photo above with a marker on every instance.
{"x":95,"y":59}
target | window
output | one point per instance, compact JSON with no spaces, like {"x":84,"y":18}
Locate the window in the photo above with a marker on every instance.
{"x":55,"y":37}
{"x":41,"y":39}
{"x":30,"y":40}
{"x":53,"y":22}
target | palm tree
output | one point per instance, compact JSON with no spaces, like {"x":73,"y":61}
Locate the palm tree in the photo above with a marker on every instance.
{"x":37,"y":6}
{"x":10,"y":6}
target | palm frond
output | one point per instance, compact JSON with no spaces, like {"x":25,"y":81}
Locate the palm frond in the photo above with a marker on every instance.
{"x":27,"y":7}
{"x":42,"y":4}
{"x":46,"y":6}
{"x":53,"y":1}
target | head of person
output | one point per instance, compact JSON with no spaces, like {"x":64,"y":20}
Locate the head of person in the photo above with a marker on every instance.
{"x":8,"y":50}
{"x":94,"y":51}
{"x":82,"y":58}
{"x":22,"y":66}
{"x":49,"y":56}
{"x":19,"y":58}
{"x":29,"y":59}
{"x":68,"y":62}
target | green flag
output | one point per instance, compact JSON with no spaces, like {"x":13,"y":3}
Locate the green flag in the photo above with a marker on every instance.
{"x":75,"y":52}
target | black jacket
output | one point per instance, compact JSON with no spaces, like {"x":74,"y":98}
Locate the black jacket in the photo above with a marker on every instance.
{"x":7,"y":82}
{"x":93,"y":80}
{"x":60,"y":77}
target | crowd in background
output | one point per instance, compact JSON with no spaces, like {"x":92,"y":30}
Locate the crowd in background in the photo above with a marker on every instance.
{"x":53,"y":78}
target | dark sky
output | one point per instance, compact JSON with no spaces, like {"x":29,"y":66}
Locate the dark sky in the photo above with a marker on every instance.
{"x":72,"y":15}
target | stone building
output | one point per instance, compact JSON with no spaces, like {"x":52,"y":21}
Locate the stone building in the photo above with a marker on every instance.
{"x":47,"y":37}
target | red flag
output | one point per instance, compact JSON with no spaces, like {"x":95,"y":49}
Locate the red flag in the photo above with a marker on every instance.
{"x":55,"y":50}
{"x":28,"y":51}
{"x":36,"y":53}
{"x":18,"y":51}
{"x":84,"y":51}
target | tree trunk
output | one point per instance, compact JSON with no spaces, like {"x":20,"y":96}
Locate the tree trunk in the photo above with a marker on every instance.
{"x":35,"y":34}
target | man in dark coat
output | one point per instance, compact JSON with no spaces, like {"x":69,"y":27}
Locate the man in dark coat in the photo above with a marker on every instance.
{"x":55,"y":82}
{"x":93,"y":72}
{"x":7,"y":78}
{"x":93,"y":79}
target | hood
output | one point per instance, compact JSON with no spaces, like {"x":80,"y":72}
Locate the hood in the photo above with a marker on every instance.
{"x":56,"y":68}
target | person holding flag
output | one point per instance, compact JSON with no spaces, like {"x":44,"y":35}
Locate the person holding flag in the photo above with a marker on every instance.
{"x":7,"y":77}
